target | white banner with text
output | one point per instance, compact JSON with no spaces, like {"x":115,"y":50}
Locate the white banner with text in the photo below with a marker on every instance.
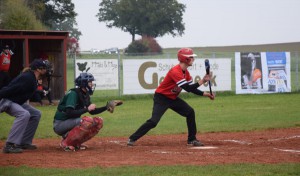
{"x":142,"y":76}
{"x":105,"y":72}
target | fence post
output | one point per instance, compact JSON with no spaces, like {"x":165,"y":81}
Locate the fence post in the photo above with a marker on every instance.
{"x":297,"y":71}
{"x":119,"y":72}
{"x":74,"y":65}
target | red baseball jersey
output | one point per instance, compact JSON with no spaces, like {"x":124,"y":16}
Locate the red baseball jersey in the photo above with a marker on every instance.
{"x":5,"y":60}
{"x":176,"y":77}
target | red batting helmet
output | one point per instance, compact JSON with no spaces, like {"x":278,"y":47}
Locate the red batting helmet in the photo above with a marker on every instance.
{"x":185,"y":55}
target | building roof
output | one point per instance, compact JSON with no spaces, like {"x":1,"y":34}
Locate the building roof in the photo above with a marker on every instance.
{"x":33,"y":33}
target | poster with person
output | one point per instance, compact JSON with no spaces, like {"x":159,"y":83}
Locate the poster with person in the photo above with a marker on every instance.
{"x":262,"y":72}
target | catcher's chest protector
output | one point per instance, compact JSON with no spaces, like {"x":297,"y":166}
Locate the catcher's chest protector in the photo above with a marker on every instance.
{"x":84,"y":99}
{"x":88,"y":128}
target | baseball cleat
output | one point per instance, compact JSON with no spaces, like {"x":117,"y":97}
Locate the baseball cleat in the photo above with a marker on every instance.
{"x":130,"y":142}
{"x":81,"y":147}
{"x":27,"y":146}
{"x":195,"y":142}
{"x":11,"y":148}
{"x":67,"y":148}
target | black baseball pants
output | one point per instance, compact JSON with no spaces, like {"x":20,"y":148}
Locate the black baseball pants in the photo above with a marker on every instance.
{"x":160,"y":105}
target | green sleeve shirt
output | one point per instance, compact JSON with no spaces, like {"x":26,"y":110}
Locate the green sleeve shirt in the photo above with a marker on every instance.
{"x":70,"y":100}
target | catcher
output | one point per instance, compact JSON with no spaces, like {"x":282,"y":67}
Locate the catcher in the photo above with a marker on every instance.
{"x":67,"y":122}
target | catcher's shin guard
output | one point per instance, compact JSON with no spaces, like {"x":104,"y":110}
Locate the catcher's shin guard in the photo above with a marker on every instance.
{"x":87,"y":129}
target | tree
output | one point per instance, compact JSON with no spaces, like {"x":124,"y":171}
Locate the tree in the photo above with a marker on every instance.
{"x":146,"y":45}
{"x":37,"y":6}
{"x":58,"y":15}
{"x":72,"y":46}
{"x":150,"y":18}
{"x":17,"y":16}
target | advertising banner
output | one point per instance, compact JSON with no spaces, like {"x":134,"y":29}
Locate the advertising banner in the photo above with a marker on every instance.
{"x":105,"y":72}
{"x":142,"y":76}
{"x":262,"y":72}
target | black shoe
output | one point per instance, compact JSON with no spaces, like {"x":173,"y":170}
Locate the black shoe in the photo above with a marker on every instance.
{"x":11,"y":148}
{"x":195,"y":142}
{"x":27,"y":146}
{"x":130,"y":142}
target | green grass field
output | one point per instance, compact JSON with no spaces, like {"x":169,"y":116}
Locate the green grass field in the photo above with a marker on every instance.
{"x":227,"y":113}
{"x":209,"y":170}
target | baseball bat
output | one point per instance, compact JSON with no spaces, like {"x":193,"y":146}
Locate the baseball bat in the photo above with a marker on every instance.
{"x":207,"y":68}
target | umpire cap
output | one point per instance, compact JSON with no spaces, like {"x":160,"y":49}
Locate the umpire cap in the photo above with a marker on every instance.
{"x":38,"y":64}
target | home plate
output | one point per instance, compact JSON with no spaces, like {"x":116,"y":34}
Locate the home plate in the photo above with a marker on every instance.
{"x":204,"y":147}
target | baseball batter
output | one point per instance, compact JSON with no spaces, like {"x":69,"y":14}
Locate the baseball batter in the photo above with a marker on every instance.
{"x":166,"y":96}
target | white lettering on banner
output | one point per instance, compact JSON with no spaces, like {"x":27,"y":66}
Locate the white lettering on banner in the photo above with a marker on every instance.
{"x":143,"y":76}
{"x":105,"y":72}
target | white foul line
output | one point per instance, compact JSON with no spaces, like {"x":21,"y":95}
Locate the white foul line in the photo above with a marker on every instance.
{"x":288,"y":150}
{"x":237,"y":141}
{"x":277,"y":139}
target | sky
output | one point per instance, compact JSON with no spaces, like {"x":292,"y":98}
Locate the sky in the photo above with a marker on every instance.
{"x":207,"y":23}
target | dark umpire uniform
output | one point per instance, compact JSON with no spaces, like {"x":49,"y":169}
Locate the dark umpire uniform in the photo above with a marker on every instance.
{"x":13,"y":101}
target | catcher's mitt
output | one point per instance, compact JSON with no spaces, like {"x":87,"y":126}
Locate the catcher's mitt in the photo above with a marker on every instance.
{"x":112,"y":104}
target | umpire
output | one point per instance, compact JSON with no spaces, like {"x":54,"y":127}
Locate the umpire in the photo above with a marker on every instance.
{"x":13,"y":101}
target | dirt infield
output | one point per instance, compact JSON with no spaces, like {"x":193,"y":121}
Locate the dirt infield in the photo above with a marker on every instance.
{"x":271,"y":146}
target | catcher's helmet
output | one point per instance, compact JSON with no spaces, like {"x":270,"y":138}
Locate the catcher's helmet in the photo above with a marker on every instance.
{"x":185,"y":55}
{"x":82,"y":81}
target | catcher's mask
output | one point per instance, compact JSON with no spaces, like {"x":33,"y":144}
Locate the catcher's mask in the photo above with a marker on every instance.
{"x":185,"y":55}
{"x":83,"y":80}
